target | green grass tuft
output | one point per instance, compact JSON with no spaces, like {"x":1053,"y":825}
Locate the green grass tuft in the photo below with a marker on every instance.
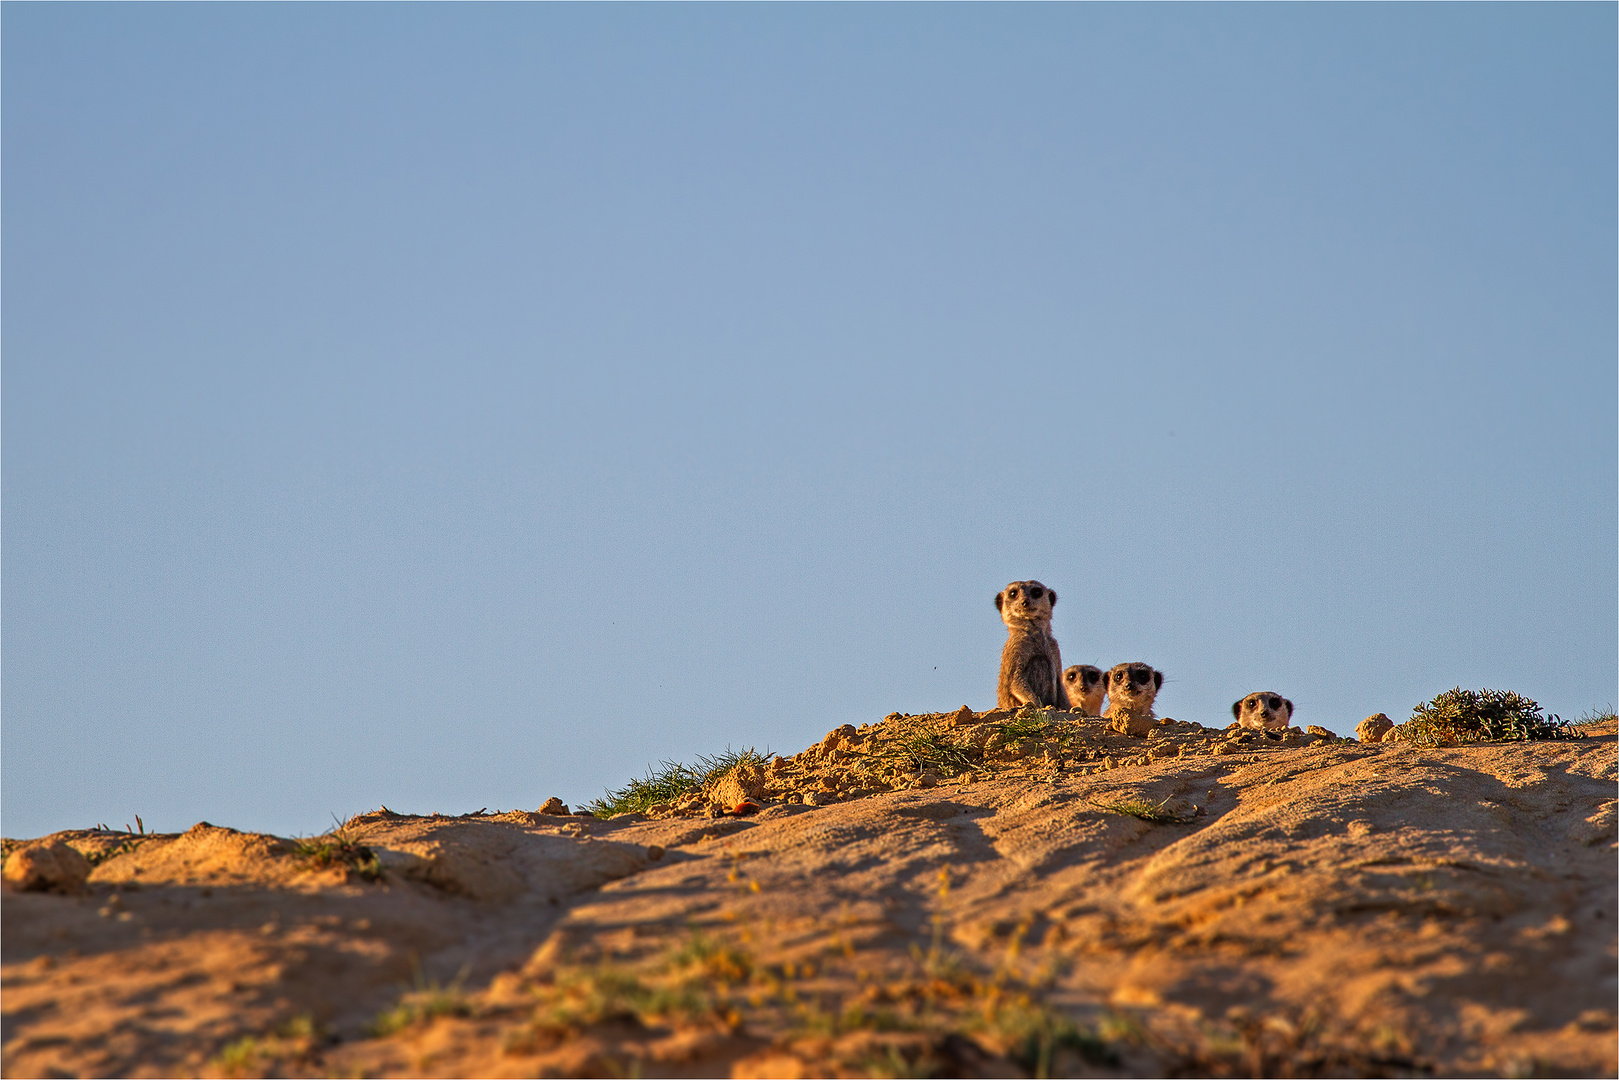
{"x":671,"y":780}
{"x":338,"y":848}
{"x":930,"y":750}
{"x":1464,"y":716}
{"x":1037,"y":1033}
{"x":1597,"y":716}
{"x":1028,"y":723}
{"x":424,"y":1003}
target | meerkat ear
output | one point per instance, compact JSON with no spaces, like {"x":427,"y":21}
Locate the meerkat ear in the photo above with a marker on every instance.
{"x":1236,"y":709}
{"x":1289,"y":705}
{"x":1157,"y":680}
{"x":999,"y":599}
{"x":1053,"y":594}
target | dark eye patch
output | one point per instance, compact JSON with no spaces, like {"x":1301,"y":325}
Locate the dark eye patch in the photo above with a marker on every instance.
{"x":1092,"y":677}
{"x":1142,"y":675}
{"x":1274,"y":702}
{"x":1036,"y":593}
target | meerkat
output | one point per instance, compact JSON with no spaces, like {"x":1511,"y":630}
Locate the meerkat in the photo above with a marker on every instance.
{"x":1085,"y":689}
{"x":1031,"y":665}
{"x":1265,"y":710}
{"x":1131,"y":689}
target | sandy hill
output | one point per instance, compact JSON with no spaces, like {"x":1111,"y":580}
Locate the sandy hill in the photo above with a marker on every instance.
{"x":1059,"y":901}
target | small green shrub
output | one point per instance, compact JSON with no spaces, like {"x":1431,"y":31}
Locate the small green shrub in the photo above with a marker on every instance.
{"x":672,"y":779}
{"x":1463,"y":716}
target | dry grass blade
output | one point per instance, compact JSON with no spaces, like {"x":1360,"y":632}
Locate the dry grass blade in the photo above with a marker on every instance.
{"x":1156,"y":813}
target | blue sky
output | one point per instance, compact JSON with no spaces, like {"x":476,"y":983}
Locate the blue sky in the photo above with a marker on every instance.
{"x":453,"y":406}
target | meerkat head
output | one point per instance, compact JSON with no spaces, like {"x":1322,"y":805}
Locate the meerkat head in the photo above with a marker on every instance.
{"x":1133,"y":686}
{"x":1265,"y":710}
{"x":1084,"y":684}
{"x":1025,"y":602}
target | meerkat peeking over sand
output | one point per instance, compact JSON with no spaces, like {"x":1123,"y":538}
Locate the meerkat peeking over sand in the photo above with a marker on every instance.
{"x":1085,"y":688}
{"x":1031,"y":666}
{"x":1131,"y":689}
{"x":1264,"y":711}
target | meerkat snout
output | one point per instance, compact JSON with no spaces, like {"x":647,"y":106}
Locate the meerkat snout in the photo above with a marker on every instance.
{"x":1086,"y":688}
{"x":1265,"y":710}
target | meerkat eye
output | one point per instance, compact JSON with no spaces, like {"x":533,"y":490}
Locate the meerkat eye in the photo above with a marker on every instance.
{"x":1011,"y":594}
{"x":1035,"y":594}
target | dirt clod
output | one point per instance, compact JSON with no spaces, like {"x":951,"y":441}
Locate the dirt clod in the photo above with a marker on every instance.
{"x":1373,"y":728}
{"x":48,"y":865}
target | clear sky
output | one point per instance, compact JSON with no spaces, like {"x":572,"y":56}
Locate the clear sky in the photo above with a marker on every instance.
{"x":454,"y":406}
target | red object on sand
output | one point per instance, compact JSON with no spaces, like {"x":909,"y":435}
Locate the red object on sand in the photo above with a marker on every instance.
{"x":745,"y":807}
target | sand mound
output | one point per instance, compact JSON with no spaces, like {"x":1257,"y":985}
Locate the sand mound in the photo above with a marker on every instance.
{"x":1059,"y":901}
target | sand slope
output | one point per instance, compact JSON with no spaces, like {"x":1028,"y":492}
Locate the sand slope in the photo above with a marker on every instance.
{"x":1331,"y":909}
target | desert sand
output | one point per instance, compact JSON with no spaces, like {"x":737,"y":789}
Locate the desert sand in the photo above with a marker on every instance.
{"x":1183,"y":905}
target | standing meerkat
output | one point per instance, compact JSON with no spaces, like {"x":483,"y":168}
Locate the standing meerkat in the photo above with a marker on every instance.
{"x":1131,"y":690}
{"x":1265,"y":710}
{"x":1085,"y":689}
{"x":1031,"y":666}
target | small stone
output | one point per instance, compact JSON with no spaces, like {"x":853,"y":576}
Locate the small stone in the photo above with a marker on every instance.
{"x":1137,"y":724}
{"x":1109,"y":763}
{"x":554,"y":805}
{"x":963,"y":717}
{"x":816,"y":798}
{"x":1374,"y":728}
{"x":1321,"y":732}
{"x":46,"y":866}
{"x":927,"y":778}
{"x":1223,"y":748}
{"x":654,"y":852}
